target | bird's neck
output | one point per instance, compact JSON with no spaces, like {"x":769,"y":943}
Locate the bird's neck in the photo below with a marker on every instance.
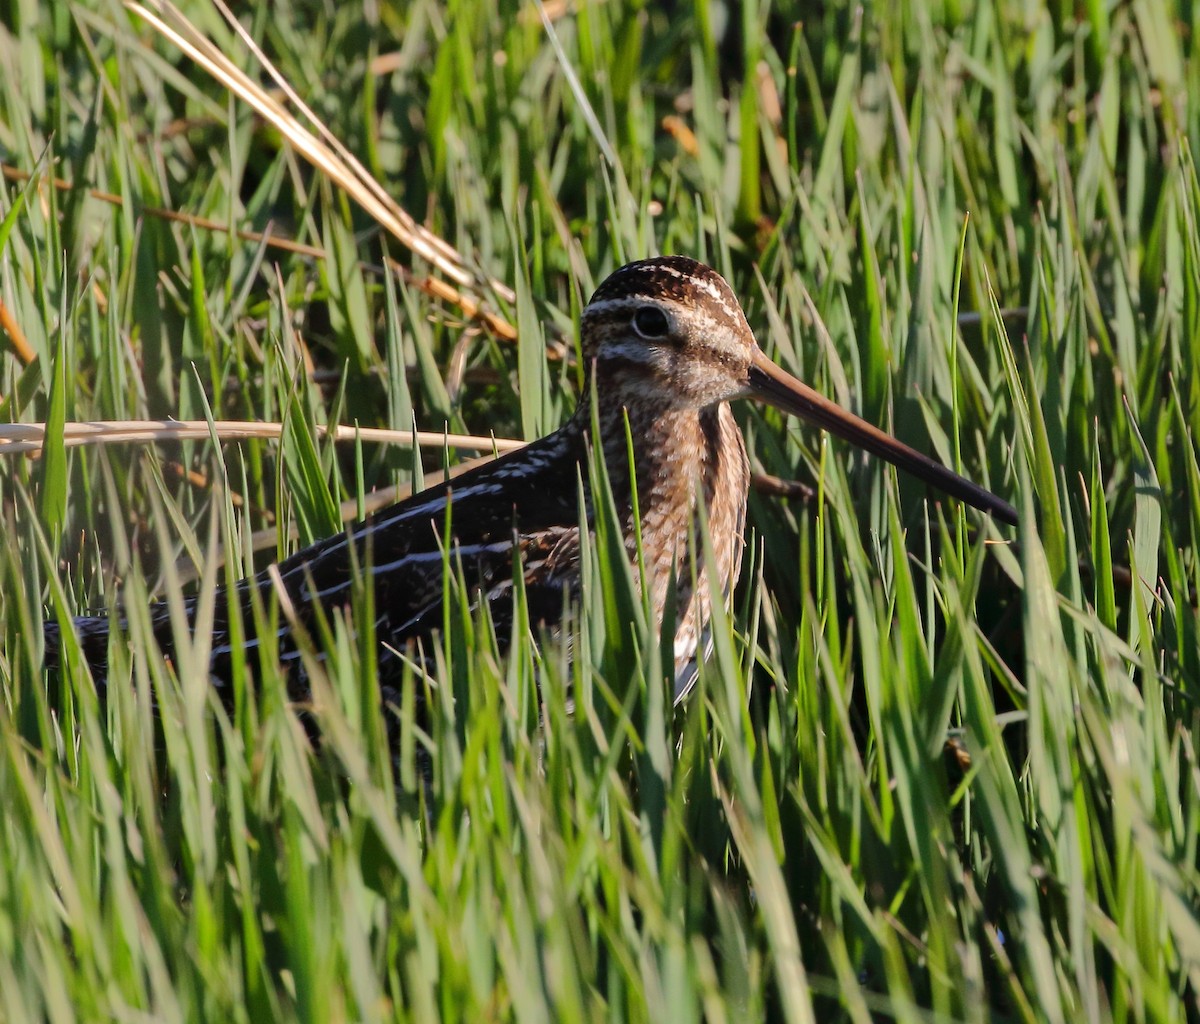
{"x":663,"y":452}
{"x":681,"y":458}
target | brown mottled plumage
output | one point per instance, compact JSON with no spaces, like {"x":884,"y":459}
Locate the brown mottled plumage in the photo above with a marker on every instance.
{"x":668,"y":346}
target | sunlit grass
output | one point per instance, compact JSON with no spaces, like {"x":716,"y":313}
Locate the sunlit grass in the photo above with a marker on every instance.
{"x":935,"y":769}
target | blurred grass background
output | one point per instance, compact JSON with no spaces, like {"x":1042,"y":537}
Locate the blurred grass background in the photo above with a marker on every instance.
{"x":935,"y":770}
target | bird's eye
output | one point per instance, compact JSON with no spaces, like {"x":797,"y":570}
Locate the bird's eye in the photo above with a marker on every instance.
{"x":651,"y":322}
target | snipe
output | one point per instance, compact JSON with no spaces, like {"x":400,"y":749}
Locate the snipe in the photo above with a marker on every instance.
{"x":667,"y":346}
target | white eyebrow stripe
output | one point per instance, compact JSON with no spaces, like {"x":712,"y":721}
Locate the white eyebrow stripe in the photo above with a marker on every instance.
{"x":717,"y":339}
{"x":734,"y":312}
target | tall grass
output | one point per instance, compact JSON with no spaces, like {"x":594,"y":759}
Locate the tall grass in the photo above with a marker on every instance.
{"x":934,"y":769}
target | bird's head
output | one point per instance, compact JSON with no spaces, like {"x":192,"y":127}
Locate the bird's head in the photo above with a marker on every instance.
{"x":668,"y":331}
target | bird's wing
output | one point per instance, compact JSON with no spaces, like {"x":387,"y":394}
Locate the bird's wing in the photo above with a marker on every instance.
{"x":528,"y":496}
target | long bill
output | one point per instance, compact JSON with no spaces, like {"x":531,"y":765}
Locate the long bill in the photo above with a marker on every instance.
{"x":776,"y":386}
